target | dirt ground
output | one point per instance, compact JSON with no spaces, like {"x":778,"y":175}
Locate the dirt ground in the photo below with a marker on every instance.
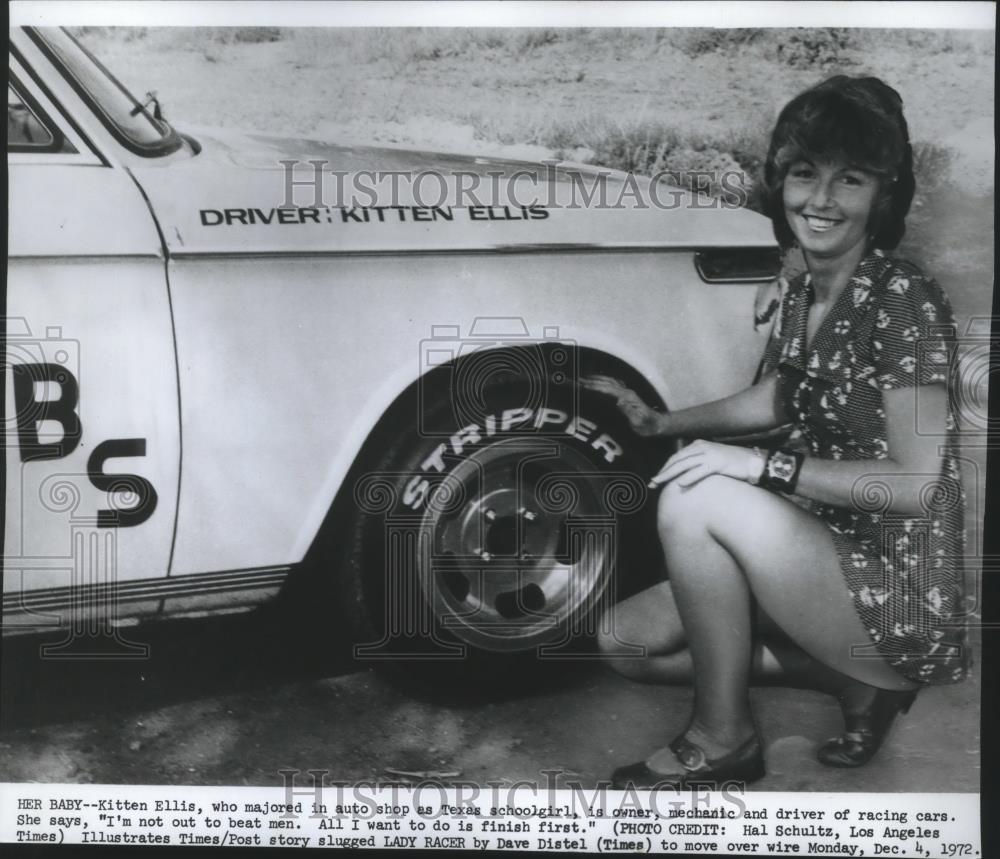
{"x":234,"y":701}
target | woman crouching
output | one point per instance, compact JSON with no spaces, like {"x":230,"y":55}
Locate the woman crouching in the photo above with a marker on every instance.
{"x":835,"y":562}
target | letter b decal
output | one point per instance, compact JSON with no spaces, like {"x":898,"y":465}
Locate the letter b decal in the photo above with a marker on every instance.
{"x":31,"y":411}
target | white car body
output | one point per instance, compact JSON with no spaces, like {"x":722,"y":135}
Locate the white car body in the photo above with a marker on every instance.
{"x":250,"y":362}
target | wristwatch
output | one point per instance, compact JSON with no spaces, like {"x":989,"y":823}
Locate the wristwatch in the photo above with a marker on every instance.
{"x":781,"y":471}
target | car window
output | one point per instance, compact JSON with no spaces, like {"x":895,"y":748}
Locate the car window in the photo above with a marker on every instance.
{"x":28,"y":129}
{"x":132,"y":122}
{"x":23,"y":127}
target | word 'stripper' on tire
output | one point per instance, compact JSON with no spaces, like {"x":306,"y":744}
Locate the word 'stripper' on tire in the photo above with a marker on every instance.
{"x":499,"y":534}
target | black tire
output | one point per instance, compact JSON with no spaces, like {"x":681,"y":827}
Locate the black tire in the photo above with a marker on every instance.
{"x":481,"y":556}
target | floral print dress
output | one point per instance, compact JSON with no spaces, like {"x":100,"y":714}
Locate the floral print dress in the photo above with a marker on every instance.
{"x":890,"y":327}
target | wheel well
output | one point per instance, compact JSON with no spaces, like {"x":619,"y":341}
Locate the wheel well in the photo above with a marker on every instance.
{"x":436,"y":383}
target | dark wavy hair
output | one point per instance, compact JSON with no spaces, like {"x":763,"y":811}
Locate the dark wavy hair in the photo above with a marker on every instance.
{"x":857,"y":120}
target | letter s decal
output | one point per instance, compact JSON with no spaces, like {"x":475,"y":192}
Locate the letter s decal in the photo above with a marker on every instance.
{"x":133,"y":483}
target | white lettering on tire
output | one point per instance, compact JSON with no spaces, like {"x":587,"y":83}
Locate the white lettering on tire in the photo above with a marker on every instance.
{"x":417,"y":488}
{"x":612,"y":450}
{"x":550,"y":416}
{"x":416,"y":491}
{"x":580,"y":428}
{"x":434,"y":460}
{"x":466,"y":435}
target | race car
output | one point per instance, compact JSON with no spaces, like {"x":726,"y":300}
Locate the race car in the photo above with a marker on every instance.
{"x":234,"y":361}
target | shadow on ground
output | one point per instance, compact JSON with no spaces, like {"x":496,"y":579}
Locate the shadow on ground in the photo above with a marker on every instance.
{"x":234,"y":701}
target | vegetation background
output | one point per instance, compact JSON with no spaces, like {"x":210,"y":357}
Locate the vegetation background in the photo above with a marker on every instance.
{"x":683,"y":99}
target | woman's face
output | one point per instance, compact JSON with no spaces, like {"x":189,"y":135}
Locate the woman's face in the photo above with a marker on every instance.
{"x":828,"y":206}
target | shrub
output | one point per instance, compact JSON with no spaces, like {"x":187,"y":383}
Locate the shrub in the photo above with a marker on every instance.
{"x":255,"y":35}
{"x":709,"y":171}
{"x":931,"y":165}
{"x":87,"y":35}
{"x":695,"y":41}
{"x":525,"y":41}
{"x":806,"y":48}
{"x":719,"y":166}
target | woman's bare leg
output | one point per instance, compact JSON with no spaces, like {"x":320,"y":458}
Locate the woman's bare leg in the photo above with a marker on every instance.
{"x":715,"y":605}
{"x":725,"y":541}
{"x":643,"y":639}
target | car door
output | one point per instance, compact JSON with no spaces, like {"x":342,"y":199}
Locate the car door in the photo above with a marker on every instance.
{"x":92,"y":439}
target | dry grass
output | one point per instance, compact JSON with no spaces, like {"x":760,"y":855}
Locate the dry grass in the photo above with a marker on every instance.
{"x":793,"y":46}
{"x":649,"y":100}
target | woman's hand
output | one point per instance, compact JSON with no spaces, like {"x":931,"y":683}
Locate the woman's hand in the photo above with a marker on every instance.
{"x":703,"y":458}
{"x":644,"y":420}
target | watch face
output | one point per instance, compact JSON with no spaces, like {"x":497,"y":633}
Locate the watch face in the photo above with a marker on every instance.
{"x":781,"y":466}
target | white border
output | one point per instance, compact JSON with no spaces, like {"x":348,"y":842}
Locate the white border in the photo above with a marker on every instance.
{"x":511,"y":13}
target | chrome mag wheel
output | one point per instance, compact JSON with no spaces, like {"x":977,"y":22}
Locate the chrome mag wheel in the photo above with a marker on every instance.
{"x":516,"y":542}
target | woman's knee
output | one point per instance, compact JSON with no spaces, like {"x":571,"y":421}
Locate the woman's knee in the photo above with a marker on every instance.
{"x":693,"y":506}
{"x":643,"y":625}
{"x":613,"y":639}
{"x":620,"y":649}
{"x":607,"y":645}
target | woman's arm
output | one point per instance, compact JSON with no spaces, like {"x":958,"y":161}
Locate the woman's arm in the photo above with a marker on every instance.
{"x":907,"y":475}
{"x":753,"y":409}
{"x":899,"y":482}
